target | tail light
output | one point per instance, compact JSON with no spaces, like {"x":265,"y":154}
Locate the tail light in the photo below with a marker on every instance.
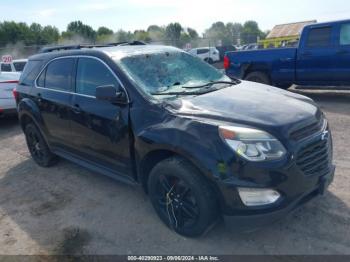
{"x":226,"y":62}
{"x":15,"y":93}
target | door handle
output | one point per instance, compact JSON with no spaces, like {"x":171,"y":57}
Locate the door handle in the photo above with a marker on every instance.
{"x":76,"y":109}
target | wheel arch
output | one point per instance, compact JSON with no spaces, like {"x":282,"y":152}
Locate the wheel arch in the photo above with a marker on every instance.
{"x":250,"y":68}
{"x":152,"y":158}
{"x":28,"y":112}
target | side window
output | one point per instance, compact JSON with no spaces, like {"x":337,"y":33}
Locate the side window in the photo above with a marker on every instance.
{"x":41,"y":80}
{"x":91,"y":73}
{"x":59,"y":74}
{"x":6,"y":68}
{"x":19,"y":66}
{"x":30,"y":72}
{"x":319,"y":37}
{"x":202,"y":51}
{"x":345,"y":34}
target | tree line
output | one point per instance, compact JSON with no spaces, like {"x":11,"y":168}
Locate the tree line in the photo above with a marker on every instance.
{"x":173,"y":33}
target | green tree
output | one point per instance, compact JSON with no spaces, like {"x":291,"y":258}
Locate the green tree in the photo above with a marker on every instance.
{"x":34,"y":36}
{"x":141,"y":35}
{"x":235,"y":29}
{"x":11,"y":32}
{"x":77,"y":28}
{"x":251,"y":32}
{"x":219,"y":32}
{"x":173,"y":33}
{"x":185,"y":38}
{"x":50,"y":35}
{"x":156,"y":33}
{"x":192,"y":33}
{"x":123,"y":36}
{"x":104,"y":31}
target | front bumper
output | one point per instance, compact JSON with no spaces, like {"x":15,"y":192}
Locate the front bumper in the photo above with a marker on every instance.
{"x":305,"y":173}
{"x":260,"y":217}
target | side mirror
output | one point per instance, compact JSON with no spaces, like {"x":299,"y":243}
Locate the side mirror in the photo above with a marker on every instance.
{"x":111,"y":93}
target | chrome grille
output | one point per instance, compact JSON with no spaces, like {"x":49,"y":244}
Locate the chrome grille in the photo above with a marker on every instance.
{"x":308,"y":130}
{"x":315,"y":157}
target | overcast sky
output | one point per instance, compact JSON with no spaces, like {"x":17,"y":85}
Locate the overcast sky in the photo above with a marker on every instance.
{"x":139,"y":14}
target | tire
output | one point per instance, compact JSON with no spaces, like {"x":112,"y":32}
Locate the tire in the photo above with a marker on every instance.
{"x":209,"y":60}
{"x":258,"y":77}
{"x":38,"y":147}
{"x":182,"y":198}
{"x":285,"y":87}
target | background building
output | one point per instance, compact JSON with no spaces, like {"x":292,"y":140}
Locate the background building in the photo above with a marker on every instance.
{"x":284,"y":35}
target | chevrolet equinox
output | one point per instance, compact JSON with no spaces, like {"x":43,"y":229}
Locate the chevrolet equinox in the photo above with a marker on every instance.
{"x":202,"y":145}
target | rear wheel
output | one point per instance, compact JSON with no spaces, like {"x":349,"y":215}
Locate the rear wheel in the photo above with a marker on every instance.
{"x":258,"y":77}
{"x":37,"y":146}
{"x":182,"y":198}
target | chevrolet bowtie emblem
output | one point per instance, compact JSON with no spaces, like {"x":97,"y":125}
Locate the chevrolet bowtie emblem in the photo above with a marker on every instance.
{"x":324,"y":135}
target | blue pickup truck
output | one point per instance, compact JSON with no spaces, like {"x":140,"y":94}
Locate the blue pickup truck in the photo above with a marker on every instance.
{"x":321,"y":59}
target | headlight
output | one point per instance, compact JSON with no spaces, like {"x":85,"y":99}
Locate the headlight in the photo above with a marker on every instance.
{"x":252,"y":144}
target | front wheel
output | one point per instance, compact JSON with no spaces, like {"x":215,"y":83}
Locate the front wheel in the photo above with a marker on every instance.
{"x":182,"y":198}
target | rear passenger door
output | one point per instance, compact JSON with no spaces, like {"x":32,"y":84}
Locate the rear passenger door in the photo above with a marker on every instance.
{"x":53,"y":93}
{"x":316,"y":57}
{"x":100,"y":129}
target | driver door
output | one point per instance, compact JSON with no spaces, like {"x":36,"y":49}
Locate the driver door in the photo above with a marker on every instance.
{"x":100,"y":129}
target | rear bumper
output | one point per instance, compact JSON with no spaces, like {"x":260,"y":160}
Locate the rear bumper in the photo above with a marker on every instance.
{"x":260,"y":218}
{"x":8,"y":112}
{"x":7,"y":106}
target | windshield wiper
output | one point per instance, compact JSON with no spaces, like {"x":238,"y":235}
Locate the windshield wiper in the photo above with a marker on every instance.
{"x":182,"y":93}
{"x":213,"y":83}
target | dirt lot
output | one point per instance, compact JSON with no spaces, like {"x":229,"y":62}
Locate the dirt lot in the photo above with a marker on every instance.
{"x":67,"y":209}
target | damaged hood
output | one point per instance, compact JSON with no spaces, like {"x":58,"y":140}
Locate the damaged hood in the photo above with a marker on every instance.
{"x":249,"y":103}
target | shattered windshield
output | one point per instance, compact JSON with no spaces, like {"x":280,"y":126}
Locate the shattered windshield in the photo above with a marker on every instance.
{"x":170,"y":73}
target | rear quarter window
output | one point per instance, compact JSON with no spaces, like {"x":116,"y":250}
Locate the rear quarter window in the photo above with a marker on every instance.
{"x":30,"y":72}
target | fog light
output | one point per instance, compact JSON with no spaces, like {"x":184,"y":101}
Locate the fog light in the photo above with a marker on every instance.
{"x":258,"y":196}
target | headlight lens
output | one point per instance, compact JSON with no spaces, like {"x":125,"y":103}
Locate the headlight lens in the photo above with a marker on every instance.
{"x":252,"y":144}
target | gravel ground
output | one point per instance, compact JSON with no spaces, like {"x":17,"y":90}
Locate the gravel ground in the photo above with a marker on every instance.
{"x":69,"y":210}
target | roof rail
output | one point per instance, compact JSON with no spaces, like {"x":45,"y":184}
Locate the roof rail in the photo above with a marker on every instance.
{"x":76,"y":47}
{"x":127,"y":43}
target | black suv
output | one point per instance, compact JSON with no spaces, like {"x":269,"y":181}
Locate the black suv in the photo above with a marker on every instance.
{"x":202,"y":145}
